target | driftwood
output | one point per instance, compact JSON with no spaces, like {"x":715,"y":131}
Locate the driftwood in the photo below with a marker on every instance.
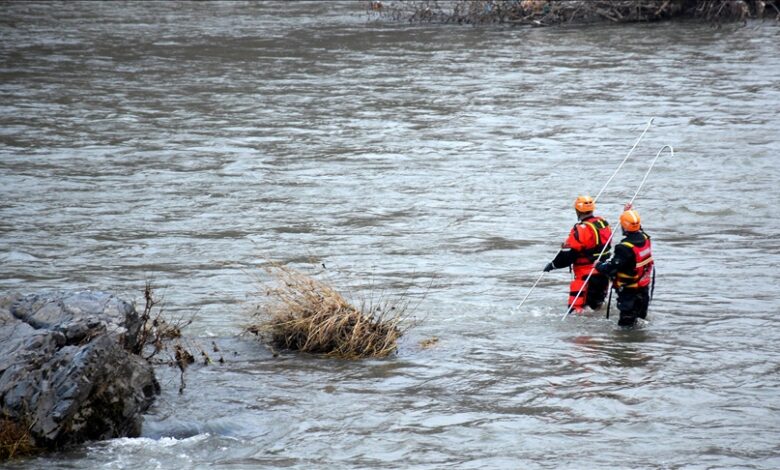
{"x":550,"y":12}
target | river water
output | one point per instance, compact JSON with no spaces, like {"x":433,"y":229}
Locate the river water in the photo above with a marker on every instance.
{"x":189,"y":144}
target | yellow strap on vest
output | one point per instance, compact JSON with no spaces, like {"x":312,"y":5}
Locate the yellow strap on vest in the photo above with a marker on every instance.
{"x":626,"y":278}
{"x":647,"y":261}
{"x":595,"y":231}
{"x":633,"y":277}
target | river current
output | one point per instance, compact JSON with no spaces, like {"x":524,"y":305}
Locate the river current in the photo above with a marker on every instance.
{"x":190,"y":144}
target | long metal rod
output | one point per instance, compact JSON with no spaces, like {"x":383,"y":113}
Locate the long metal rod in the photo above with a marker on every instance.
{"x":641,"y":136}
{"x":606,"y":245}
{"x":649,"y":123}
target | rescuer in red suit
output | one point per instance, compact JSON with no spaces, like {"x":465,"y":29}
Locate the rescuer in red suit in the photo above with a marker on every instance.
{"x":583,"y":248}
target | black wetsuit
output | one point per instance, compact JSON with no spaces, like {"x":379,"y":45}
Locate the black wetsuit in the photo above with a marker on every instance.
{"x":632,"y":301}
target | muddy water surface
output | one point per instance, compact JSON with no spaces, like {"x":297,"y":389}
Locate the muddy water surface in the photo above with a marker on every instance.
{"x":189,"y":143}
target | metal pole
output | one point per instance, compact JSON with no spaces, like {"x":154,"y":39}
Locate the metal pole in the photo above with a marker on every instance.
{"x":649,"y":123}
{"x":647,"y":173}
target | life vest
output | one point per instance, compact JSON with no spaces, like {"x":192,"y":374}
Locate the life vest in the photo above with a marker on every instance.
{"x":602,"y":234}
{"x":643,"y":271}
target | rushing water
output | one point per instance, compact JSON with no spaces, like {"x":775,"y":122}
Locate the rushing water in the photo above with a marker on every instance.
{"x":190,"y":143}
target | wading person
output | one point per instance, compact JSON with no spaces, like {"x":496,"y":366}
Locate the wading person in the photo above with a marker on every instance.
{"x":631,"y":268}
{"x":581,"y":251}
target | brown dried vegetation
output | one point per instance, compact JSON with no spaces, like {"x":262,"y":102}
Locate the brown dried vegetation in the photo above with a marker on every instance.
{"x":15,"y":439}
{"x":156,"y":332}
{"x":307,"y":315}
{"x":551,"y":12}
{"x":159,"y":338}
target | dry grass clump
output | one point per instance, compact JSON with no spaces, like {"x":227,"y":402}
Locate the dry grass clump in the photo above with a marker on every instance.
{"x":310,"y":316}
{"x":15,"y":439}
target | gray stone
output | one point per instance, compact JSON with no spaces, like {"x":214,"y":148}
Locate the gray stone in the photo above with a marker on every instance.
{"x":67,"y":366}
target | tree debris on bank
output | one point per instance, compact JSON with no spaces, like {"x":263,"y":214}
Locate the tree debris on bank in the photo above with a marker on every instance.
{"x":307,"y":315}
{"x":551,"y":12}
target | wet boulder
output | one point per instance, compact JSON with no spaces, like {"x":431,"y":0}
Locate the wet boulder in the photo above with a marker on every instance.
{"x":68,"y":371}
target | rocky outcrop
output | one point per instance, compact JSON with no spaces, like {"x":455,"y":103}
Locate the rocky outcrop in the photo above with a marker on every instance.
{"x":67,"y":367}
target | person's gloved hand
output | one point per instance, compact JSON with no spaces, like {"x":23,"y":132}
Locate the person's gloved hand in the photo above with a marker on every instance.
{"x":602,"y":267}
{"x":549,"y":267}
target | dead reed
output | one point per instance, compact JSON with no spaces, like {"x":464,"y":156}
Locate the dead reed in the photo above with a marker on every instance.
{"x":15,"y":439}
{"x":429,"y":342}
{"x":307,"y":315}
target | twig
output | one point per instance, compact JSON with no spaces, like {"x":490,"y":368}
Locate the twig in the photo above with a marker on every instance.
{"x":663,"y":7}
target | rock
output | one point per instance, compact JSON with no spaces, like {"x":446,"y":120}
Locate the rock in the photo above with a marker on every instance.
{"x":67,"y":369}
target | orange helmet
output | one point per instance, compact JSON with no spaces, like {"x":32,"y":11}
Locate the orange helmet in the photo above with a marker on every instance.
{"x":630,"y":221}
{"x":585,"y":204}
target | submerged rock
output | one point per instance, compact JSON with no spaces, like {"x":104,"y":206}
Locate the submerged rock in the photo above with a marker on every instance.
{"x":67,"y":370}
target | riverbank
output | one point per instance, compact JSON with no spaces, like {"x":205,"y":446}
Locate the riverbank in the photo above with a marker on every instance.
{"x":550,"y":13}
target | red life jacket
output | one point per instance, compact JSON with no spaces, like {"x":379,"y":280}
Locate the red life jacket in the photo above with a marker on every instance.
{"x":643,"y":271}
{"x":602,"y":234}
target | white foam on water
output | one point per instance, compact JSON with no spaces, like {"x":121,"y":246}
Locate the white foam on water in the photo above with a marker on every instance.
{"x":162,"y":442}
